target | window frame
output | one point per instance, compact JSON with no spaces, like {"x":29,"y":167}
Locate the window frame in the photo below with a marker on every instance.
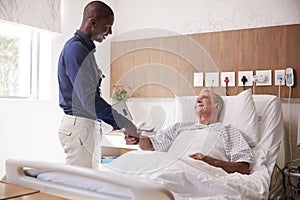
{"x":32,"y":39}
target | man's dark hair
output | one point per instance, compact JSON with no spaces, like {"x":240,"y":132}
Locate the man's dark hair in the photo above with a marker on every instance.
{"x":97,"y":10}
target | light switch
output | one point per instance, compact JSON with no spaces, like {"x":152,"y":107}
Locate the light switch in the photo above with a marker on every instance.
{"x":198,"y":79}
{"x":212,"y":79}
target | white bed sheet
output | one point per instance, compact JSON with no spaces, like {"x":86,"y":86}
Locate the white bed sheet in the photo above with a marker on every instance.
{"x":189,"y":178}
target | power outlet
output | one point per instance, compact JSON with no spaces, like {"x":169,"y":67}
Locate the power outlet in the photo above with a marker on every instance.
{"x":248,"y":75}
{"x":231,"y":77}
{"x":268,"y":77}
{"x":279,"y":77}
{"x":212,"y":79}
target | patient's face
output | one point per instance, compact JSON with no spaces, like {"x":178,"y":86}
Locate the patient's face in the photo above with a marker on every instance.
{"x":203,"y":104}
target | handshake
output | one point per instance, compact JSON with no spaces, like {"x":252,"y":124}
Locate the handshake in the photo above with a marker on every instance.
{"x":133,"y":135}
{"x":130,"y":139}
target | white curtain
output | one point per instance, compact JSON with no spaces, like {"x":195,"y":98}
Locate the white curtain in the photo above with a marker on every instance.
{"x":42,"y":14}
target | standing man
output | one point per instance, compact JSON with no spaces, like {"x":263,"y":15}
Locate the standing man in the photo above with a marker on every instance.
{"x":79,"y":90}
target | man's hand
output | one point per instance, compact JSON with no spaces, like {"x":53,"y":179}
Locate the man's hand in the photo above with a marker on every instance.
{"x":131,"y":130}
{"x":132,"y":139}
{"x":143,"y":141}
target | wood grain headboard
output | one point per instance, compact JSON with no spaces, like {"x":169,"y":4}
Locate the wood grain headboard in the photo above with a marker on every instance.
{"x":165,"y":66}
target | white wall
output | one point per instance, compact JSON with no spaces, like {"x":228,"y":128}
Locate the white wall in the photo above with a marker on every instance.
{"x":29,"y":127}
{"x":196,"y":16}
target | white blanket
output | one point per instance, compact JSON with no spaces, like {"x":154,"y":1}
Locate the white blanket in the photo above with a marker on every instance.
{"x":189,"y":178}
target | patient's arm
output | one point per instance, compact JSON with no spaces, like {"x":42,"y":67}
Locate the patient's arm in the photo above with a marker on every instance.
{"x":146,"y":144}
{"x":230,"y":167}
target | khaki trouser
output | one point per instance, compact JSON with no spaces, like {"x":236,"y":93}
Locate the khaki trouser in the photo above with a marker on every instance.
{"x":80,"y":138}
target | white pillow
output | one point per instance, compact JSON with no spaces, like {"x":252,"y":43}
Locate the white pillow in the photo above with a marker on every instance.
{"x":184,"y":109}
{"x":240,"y":111}
{"x":237,"y":110}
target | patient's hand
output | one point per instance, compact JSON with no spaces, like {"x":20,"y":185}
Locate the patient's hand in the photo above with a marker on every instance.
{"x":230,"y":167}
{"x":197,"y":156}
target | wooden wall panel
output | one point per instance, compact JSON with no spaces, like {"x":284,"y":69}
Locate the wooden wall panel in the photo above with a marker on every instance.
{"x":162,"y":67}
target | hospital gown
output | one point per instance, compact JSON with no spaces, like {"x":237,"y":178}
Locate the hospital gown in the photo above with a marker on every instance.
{"x":236,"y":148}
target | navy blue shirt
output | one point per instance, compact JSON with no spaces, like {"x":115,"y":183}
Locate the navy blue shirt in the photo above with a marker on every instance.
{"x":79,"y":83}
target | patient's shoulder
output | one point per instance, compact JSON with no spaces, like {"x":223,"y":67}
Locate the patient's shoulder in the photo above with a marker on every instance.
{"x":229,"y":126}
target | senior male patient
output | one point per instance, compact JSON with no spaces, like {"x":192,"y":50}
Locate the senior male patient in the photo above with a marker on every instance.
{"x":208,"y":107}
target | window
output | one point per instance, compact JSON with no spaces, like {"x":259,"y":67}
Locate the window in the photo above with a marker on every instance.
{"x":18,"y":61}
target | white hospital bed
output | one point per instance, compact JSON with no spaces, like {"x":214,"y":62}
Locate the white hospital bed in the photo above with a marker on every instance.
{"x":259,"y":117}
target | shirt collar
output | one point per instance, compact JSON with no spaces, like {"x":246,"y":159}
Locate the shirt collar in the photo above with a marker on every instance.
{"x":90,"y":44}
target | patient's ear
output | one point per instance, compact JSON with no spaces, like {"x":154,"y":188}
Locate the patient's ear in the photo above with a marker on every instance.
{"x":217,"y":107}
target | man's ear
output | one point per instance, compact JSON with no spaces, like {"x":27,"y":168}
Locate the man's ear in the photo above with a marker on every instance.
{"x":91,"y":22}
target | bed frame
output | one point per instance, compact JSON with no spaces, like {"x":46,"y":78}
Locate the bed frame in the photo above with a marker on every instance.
{"x":15,"y":170}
